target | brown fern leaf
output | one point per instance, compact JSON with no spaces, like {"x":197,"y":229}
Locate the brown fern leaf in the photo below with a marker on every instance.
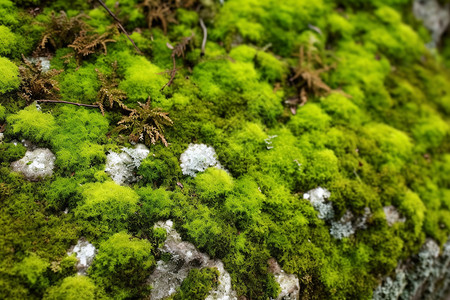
{"x":88,"y":43}
{"x":177,"y":51}
{"x":307,"y":77}
{"x":109,"y":92}
{"x":162,"y":12}
{"x":63,"y":30}
{"x":145,"y":124}
{"x":36,"y":84}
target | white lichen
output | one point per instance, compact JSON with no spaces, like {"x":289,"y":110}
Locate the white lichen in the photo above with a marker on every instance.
{"x":435,"y":18}
{"x":122,"y":166}
{"x":197,"y":158}
{"x":85,"y":253}
{"x":392,"y":215}
{"x":268,"y":141}
{"x":318,"y":198}
{"x":289,"y":283}
{"x":424,"y":276}
{"x":346,"y":225}
{"x":184,"y":256}
{"x":36,"y":164}
{"x":391,"y":289}
{"x":44,"y":61}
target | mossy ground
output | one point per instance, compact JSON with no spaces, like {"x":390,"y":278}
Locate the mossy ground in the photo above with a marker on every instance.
{"x":381,"y":137}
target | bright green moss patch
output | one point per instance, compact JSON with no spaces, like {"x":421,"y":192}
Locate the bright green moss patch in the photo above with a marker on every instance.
{"x":32,"y":124}
{"x":9,"y":80}
{"x":198,"y":284}
{"x":76,"y":287}
{"x":129,"y":259}
{"x":7,"y":40}
{"x":107,"y":206}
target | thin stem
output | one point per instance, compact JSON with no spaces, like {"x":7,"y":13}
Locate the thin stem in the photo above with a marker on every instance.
{"x":67,"y":102}
{"x":120,"y":25}
{"x":205,"y":36}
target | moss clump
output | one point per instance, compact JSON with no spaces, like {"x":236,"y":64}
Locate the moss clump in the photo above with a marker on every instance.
{"x":75,"y":287}
{"x":198,"y":284}
{"x":213,"y":185}
{"x":107,"y":206}
{"x":33,"y":124}
{"x":129,"y":259}
{"x":10,"y":76}
{"x":7,"y":40}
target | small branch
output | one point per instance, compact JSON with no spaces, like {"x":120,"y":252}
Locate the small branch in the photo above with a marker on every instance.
{"x":205,"y":36}
{"x":67,"y":102}
{"x":172,"y":73}
{"x":120,"y":25}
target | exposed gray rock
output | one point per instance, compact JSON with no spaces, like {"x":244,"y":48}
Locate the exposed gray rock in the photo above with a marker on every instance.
{"x":346,"y":225}
{"x":44,"y":61}
{"x":424,"y":276}
{"x":1,"y":137}
{"x":289,"y":283}
{"x":435,"y":17}
{"x":198,"y":158}
{"x":122,"y":166}
{"x":392,"y":215}
{"x":36,"y":164}
{"x":85,"y":252}
{"x":168,"y":275}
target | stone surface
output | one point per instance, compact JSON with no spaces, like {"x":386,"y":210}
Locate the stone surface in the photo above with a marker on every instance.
{"x":346,"y":225}
{"x":44,"y":61}
{"x":424,"y":276}
{"x":85,"y":252}
{"x":197,"y":158}
{"x":289,"y":283}
{"x":392,"y":215}
{"x":36,"y":164}
{"x":435,"y":17}
{"x":168,"y":275}
{"x":122,"y":166}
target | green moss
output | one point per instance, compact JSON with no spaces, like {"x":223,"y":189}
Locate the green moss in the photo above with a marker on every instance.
{"x":80,"y":85}
{"x":10,"y":76}
{"x":2,"y":113}
{"x":32,"y":270}
{"x":271,"y":68}
{"x":395,"y":145}
{"x":430,"y":131}
{"x":7,"y":40}
{"x":213,"y":185}
{"x":107,"y":206}
{"x":156,"y":204}
{"x":33,"y":124}
{"x":122,"y":265}
{"x":342,"y":110}
{"x":309,"y":117}
{"x":198,"y":284}
{"x":143,"y":80}
{"x":75,"y":287}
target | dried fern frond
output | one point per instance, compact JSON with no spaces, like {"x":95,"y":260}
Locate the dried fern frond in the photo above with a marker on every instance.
{"x":177,"y":51}
{"x":88,"y":43}
{"x":145,"y":124}
{"x":36,"y":84}
{"x":62,"y":30}
{"x":163,"y":12}
{"x":158,"y":11}
{"x":109,"y":92}
{"x":307,"y":77}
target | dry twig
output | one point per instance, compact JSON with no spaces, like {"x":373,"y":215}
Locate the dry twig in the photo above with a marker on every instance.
{"x":119,"y":24}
